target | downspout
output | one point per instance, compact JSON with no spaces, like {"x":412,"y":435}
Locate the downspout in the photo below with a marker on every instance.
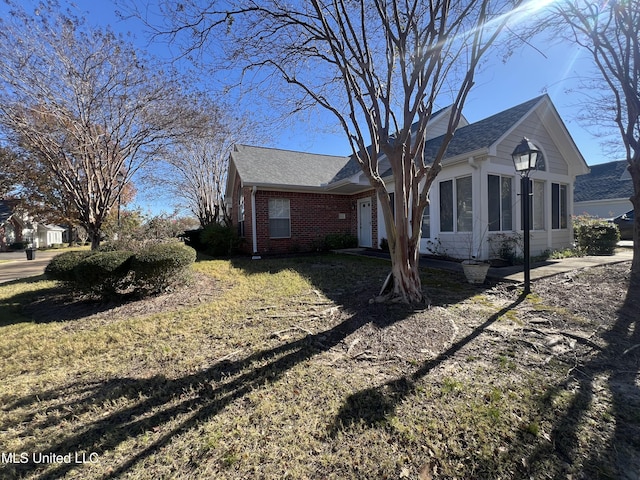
{"x":254,"y":234}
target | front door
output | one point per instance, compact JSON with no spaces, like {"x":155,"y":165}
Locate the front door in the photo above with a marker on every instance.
{"x":364,"y":222}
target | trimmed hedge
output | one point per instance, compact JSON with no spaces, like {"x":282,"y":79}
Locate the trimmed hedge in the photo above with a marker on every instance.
{"x":104,"y":273}
{"x":596,"y":237}
{"x":158,"y":266}
{"x":107,"y":274}
{"x":62,"y":267}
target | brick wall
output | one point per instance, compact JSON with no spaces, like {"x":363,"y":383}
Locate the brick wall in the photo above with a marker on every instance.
{"x":312,"y":217}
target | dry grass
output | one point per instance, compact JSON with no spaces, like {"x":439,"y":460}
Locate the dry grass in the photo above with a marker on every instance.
{"x":283,"y":369}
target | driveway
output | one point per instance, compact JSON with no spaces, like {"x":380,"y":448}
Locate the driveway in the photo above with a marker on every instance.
{"x":14,"y":265}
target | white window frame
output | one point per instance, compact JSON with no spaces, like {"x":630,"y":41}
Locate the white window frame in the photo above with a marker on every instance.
{"x":557,"y":209}
{"x":454,"y":204}
{"x":501,"y":226}
{"x":279,"y":209}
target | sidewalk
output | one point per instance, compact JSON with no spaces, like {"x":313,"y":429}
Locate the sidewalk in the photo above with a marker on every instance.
{"x":515,"y":273}
{"x":17,"y":266}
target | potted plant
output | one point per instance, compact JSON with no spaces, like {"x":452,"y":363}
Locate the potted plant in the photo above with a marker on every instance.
{"x":474,"y":269}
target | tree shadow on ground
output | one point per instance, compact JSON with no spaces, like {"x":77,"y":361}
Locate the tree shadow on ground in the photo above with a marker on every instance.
{"x":609,"y":378}
{"x":161,"y":403}
{"x":373,"y":406}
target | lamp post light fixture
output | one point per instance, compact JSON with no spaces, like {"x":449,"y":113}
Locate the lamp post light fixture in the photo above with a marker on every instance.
{"x":525,"y":158}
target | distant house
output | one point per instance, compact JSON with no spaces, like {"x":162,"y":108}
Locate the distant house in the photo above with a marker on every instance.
{"x":18,"y":228}
{"x":284,"y":201}
{"x":10,"y":224}
{"x":605,"y":192}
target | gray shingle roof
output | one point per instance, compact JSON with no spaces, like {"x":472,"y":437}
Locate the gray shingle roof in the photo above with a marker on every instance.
{"x":270,"y":166}
{"x":606,"y":181}
{"x":480,"y":134}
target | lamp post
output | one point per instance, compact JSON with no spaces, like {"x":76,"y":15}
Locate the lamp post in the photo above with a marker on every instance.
{"x":525,"y":158}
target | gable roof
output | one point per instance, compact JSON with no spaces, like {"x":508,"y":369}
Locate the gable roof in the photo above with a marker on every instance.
{"x":352,"y":167}
{"x":6,"y":210}
{"x":481,"y":134}
{"x":606,"y":181}
{"x":269,"y":167}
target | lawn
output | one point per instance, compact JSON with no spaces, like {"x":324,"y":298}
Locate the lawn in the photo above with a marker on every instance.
{"x":283,"y":368}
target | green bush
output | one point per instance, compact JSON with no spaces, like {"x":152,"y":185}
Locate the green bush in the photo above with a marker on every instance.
{"x":62,"y":267}
{"x":158,"y":266}
{"x":336,"y":241}
{"x":104,"y":273}
{"x":595,"y":236}
{"x":219,"y":240}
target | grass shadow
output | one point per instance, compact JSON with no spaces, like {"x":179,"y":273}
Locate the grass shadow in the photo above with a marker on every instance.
{"x":614,"y":369}
{"x":374,"y":405}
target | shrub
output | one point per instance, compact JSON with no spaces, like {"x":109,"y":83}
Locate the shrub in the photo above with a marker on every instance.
{"x":192,"y":239}
{"x":61,"y":267}
{"x":104,"y":273}
{"x":595,"y":236}
{"x":17,"y":246}
{"x":336,"y":241}
{"x":219,"y":240}
{"x":158,"y":266}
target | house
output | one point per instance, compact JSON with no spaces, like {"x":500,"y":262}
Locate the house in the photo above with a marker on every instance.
{"x":605,"y":192}
{"x":285,"y":201}
{"x":18,"y":228}
{"x":10,"y":225}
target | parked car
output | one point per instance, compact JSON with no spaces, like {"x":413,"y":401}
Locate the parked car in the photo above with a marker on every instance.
{"x":625,"y":225}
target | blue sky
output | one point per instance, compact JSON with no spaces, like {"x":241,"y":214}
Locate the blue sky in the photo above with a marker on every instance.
{"x":527,"y":74}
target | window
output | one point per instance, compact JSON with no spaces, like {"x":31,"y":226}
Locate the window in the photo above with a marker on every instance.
{"x":241,"y":216}
{"x":426,"y":223}
{"x":279,"y":218}
{"x":538,"y":205}
{"x":500,"y":204}
{"x":446,"y":206}
{"x":461,"y":197}
{"x":559,"y":215}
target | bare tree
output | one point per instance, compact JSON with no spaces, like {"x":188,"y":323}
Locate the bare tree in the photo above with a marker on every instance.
{"x":609,"y":32}
{"x":90,"y":107}
{"x":198,"y":165}
{"x":380,"y":67}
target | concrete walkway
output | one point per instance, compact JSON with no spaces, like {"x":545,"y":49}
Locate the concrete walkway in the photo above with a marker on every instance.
{"x":14,"y":265}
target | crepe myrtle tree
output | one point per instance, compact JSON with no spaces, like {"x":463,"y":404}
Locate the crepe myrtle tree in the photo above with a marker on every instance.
{"x":380,"y":67}
{"x":609,"y":31}
{"x":87,"y":104}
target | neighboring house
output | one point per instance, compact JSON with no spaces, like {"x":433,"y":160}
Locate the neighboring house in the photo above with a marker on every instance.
{"x":18,"y":227}
{"x":605,"y":192}
{"x":10,"y":224}
{"x":48,"y":235}
{"x":286,"y":201}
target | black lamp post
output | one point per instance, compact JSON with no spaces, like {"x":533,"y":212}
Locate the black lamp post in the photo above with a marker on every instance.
{"x":525,"y":157}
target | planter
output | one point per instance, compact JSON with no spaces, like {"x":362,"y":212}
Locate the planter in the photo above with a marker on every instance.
{"x":475,"y":272}
{"x":31,"y":253}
